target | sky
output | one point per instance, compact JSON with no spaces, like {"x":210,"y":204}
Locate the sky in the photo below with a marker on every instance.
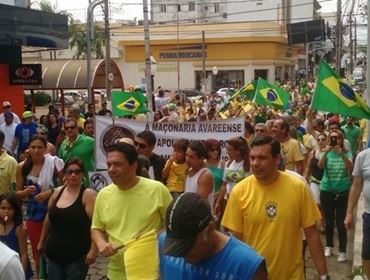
{"x":129,"y":9}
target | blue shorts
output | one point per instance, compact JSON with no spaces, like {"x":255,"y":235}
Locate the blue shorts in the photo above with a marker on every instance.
{"x":366,"y":236}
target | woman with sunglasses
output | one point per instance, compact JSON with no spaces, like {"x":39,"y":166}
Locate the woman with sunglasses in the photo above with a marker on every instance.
{"x":313,"y":173}
{"x":336,"y":162}
{"x":65,"y":235}
{"x":34,"y":182}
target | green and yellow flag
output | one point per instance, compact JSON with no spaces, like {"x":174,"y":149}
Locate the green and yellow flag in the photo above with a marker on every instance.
{"x":271,"y":95}
{"x":333,"y":95}
{"x":126,"y":103}
{"x":247,"y":91}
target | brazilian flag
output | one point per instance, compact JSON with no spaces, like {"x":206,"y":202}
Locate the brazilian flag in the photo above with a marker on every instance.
{"x":333,"y":95}
{"x":247,"y":91}
{"x":271,"y":95}
{"x":127,"y":103}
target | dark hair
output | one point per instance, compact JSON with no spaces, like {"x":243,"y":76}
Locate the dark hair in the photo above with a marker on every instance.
{"x":88,"y":121}
{"x":127,"y":150}
{"x":213,"y":143}
{"x":199,"y":149}
{"x":285,"y":125}
{"x":2,"y":136}
{"x":248,"y":127}
{"x":240,"y":144}
{"x":28,"y":164}
{"x":76,"y":161}
{"x":267,"y":140}
{"x":181,"y":144}
{"x":148,"y":136}
{"x":15,"y":203}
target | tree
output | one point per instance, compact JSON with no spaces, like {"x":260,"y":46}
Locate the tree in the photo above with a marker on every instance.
{"x":77,"y":35}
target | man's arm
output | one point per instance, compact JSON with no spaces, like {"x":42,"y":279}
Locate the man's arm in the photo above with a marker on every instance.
{"x":205,"y":184}
{"x":104,"y":247}
{"x":261,"y":273}
{"x":354,"y":195}
{"x":316,"y":249}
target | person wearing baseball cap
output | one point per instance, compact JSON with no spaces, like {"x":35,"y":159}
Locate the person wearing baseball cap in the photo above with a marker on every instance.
{"x":192,"y":248}
{"x":8,"y":127}
{"x":23,"y":133}
{"x":7,"y":108}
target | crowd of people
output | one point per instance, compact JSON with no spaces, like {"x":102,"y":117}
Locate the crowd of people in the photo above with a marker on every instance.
{"x":248,"y":215}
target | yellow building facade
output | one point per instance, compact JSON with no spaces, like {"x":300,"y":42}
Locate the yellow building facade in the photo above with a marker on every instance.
{"x":240,"y":52}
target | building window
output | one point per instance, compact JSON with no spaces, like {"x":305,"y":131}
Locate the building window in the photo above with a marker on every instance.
{"x":162,"y":8}
{"x":179,"y":8}
{"x":224,"y":78}
{"x":224,"y":15}
{"x":259,"y":3}
{"x":217,"y":8}
{"x":191,"y":6}
{"x":206,"y":8}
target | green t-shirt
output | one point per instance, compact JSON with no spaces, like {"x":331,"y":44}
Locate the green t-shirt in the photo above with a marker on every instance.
{"x":336,"y":177}
{"x":82,"y":148}
{"x":352,"y":134}
{"x":123,"y":214}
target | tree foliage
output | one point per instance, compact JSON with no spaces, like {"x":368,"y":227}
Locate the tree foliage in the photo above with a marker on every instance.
{"x":77,"y":35}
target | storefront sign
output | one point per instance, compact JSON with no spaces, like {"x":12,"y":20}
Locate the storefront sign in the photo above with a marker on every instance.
{"x":25,"y":74}
{"x":188,"y":52}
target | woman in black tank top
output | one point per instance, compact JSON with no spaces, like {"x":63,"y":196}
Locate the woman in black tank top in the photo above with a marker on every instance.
{"x":66,"y":233}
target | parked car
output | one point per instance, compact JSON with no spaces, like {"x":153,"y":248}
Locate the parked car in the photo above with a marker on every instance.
{"x":189,"y":92}
{"x":358,"y":75}
{"x":223,"y":92}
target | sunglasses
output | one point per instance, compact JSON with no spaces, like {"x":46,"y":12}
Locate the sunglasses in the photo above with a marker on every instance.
{"x":73,"y":171}
{"x":6,"y":107}
{"x":69,"y":127}
{"x":140,"y":145}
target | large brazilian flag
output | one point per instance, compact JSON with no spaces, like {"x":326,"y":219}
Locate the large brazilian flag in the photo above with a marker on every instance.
{"x":333,"y":95}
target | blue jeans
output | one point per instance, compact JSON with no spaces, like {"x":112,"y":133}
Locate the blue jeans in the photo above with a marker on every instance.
{"x":76,"y":270}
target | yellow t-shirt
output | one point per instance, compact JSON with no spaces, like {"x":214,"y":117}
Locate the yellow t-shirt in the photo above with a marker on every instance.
{"x":291,"y":152}
{"x":270,"y":219}
{"x":176,"y":178}
{"x":8,"y":167}
{"x":123,"y":214}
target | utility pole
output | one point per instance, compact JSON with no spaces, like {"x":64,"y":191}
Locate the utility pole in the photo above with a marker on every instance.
{"x":204,"y":75}
{"x":368,"y":67}
{"x":355,"y":47}
{"x":351,"y":39}
{"x":108,"y":74}
{"x":89,"y":39}
{"x":148,"y":75}
{"x":338,"y":35}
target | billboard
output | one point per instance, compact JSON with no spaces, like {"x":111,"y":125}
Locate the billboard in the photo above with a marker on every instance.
{"x":27,"y":27}
{"x":306,"y":32}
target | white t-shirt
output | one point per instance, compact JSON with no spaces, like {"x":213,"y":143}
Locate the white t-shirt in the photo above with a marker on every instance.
{"x":15,"y":118}
{"x":362,"y":169}
{"x":10,"y":265}
{"x":9,"y":131}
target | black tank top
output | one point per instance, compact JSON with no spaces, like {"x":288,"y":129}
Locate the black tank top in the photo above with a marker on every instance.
{"x":69,"y":232}
{"x":315,"y":170}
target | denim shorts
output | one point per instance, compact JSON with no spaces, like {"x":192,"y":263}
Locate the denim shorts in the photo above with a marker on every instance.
{"x":366,"y":237}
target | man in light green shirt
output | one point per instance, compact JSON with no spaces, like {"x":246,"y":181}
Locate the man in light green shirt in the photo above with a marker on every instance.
{"x":129,"y":207}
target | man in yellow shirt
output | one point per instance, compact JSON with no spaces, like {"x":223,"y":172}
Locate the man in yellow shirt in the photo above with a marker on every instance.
{"x":129,"y":207}
{"x":8,"y":166}
{"x":290,"y":148}
{"x":268,"y":211}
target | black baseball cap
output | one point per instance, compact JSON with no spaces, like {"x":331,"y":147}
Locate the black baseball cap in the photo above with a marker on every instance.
{"x":186,"y":217}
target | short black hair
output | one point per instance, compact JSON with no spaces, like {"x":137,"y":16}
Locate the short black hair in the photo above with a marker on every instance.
{"x":199,"y":149}
{"x":148,"y":136}
{"x":267,"y":140}
{"x":181,"y":144}
{"x":127,"y":150}
{"x":2,"y":136}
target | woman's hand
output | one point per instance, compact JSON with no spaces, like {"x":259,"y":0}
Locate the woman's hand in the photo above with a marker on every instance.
{"x":41,"y":197}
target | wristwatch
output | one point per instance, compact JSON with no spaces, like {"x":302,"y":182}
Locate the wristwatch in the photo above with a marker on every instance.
{"x":325,"y":277}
